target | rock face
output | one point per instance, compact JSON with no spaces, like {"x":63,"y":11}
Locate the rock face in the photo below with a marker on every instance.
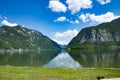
{"x":18,"y":37}
{"x":105,"y":32}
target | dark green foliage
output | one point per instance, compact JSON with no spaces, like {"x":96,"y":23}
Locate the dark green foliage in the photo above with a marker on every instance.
{"x":95,"y":45}
{"x":20,"y":37}
{"x":4,"y":45}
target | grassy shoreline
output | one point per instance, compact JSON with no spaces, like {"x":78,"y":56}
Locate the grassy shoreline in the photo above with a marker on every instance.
{"x":39,"y":73}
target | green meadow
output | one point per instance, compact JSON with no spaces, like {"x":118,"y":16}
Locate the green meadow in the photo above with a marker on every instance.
{"x":39,"y":73}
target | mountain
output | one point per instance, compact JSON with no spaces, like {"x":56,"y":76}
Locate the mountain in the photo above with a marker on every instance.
{"x":19,"y":37}
{"x":103,"y":35}
{"x":62,"y":46}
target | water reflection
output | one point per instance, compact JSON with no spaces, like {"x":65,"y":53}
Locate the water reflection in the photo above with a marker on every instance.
{"x":28,"y":58}
{"x":63,"y":60}
{"x":98,"y":58}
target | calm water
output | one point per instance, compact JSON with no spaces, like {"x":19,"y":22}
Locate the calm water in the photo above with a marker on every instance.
{"x":63,"y":59}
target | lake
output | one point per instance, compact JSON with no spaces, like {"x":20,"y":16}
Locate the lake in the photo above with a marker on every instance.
{"x":62,"y":59}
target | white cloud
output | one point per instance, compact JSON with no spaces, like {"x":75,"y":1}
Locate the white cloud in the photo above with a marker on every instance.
{"x":84,"y":17}
{"x":61,"y":19}
{"x":76,"y":5}
{"x":57,"y":6}
{"x":104,"y":1}
{"x":5,"y":22}
{"x":65,"y":37}
{"x":107,"y":17}
{"x":74,"y":22}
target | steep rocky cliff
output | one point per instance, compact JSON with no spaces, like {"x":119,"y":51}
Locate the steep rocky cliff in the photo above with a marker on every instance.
{"x":103,"y":33}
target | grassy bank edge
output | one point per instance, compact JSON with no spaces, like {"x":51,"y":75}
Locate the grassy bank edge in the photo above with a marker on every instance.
{"x":39,"y":73}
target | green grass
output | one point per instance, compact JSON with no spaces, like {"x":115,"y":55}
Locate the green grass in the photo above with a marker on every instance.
{"x":37,"y":73}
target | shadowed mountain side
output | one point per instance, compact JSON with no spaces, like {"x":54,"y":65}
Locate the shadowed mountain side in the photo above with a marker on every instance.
{"x":19,"y":37}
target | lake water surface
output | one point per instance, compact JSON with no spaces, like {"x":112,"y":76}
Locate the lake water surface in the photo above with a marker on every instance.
{"x":62,"y":59}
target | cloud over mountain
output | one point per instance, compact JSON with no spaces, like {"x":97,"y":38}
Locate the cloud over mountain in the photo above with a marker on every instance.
{"x":64,"y":37}
{"x":7,"y":23}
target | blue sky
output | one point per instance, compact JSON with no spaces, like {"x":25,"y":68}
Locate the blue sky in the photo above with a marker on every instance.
{"x":60,"y":20}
